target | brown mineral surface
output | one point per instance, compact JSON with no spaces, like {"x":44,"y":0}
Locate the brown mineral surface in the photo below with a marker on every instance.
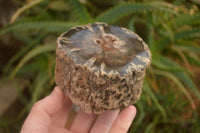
{"x":101,"y":67}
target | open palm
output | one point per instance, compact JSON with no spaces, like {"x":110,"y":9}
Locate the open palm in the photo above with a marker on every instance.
{"x":50,"y":114}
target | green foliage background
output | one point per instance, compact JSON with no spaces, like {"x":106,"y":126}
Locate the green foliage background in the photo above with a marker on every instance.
{"x":171,"y":28}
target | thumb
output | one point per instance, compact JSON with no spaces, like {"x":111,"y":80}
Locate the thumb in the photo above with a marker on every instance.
{"x":40,"y":116}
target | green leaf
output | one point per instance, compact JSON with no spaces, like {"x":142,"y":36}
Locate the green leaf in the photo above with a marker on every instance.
{"x":163,"y":4}
{"x":147,"y":88}
{"x":80,"y":11}
{"x":131,"y":24}
{"x":188,"y":47}
{"x":196,"y":2}
{"x":163,"y":64}
{"x":133,"y":21}
{"x":193,"y":60}
{"x":22,"y":52}
{"x":187,"y":20}
{"x":151,"y":127}
{"x":174,"y":79}
{"x":40,"y":81}
{"x":126,"y":9}
{"x":151,"y":39}
{"x":24,"y":8}
{"x":188,"y":82}
{"x":191,"y":33}
{"x":185,"y":34}
{"x":167,"y":64}
{"x":34,"y":52}
{"x":21,"y":96}
{"x":59,"y":5}
{"x":57,"y":27}
{"x":141,"y":114}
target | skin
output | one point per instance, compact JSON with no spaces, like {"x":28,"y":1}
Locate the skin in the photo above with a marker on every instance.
{"x":50,"y":114}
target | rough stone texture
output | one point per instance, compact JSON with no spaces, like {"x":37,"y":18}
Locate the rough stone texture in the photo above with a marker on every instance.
{"x":101,"y":67}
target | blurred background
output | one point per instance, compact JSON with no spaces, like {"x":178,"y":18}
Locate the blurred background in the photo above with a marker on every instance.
{"x":170,"y":101}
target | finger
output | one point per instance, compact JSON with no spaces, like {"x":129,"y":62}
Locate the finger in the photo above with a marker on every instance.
{"x":104,"y":122}
{"x":124,"y":120}
{"x":55,"y":129}
{"x":61,"y":116}
{"x":40,"y":116}
{"x":82,"y":122}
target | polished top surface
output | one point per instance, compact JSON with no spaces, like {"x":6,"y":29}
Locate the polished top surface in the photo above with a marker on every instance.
{"x":106,"y":47}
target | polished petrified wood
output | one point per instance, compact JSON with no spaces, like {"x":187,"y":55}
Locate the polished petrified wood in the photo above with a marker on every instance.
{"x":101,"y":67}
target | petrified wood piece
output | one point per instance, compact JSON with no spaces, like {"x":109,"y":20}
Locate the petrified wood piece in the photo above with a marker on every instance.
{"x":101,"y":67}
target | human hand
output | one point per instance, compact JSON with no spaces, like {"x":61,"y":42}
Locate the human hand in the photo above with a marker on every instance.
{"x":50,"y":114}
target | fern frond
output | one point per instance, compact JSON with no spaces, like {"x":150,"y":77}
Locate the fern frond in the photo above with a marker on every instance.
{"x":24,"y":8}
{"x":173,"y":78}
{"x":34,"y":52}
{"x":81,"y":11}
{"x":147,"y":88}
{"x":123,"y":10}
{"x":187,"y":20}
{"x":45,"y":26}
